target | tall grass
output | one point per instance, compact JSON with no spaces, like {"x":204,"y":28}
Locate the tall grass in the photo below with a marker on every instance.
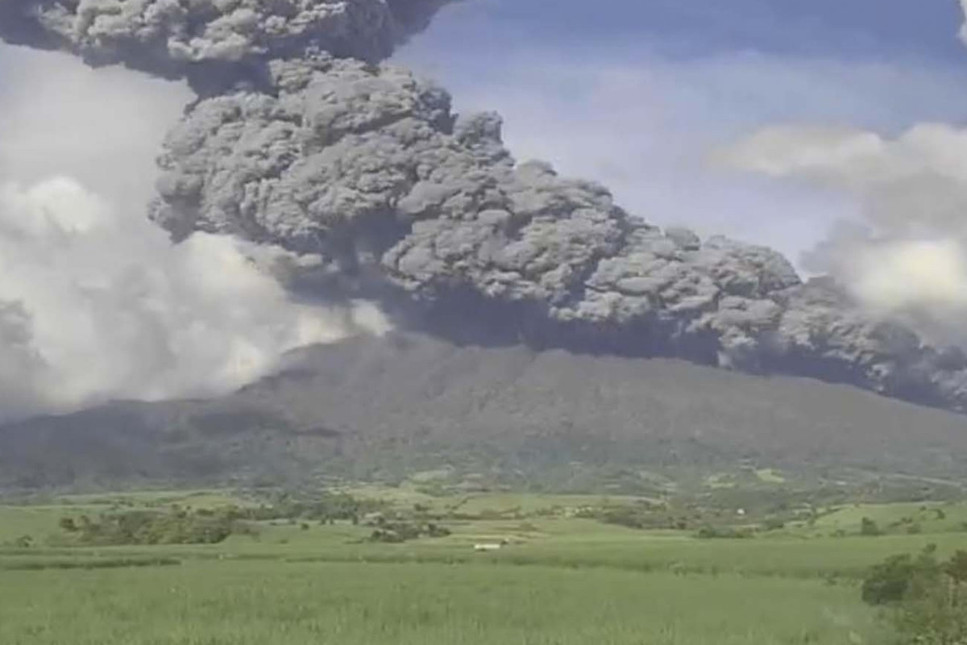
{"x":272,"y":603}
{"x":41,"y":564}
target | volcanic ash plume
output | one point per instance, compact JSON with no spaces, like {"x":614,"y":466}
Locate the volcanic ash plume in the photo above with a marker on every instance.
{"x":299,"y":140}
{"x":212,"y":41}
{"x":367,"y":167}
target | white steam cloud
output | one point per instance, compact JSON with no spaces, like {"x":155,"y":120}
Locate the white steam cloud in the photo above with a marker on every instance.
{"x":95,"y":302}
{"x":929,"y":273}
{"x":908,"y":254}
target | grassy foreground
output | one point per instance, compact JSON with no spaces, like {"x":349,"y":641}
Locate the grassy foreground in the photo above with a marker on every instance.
{"x":242,"y":603}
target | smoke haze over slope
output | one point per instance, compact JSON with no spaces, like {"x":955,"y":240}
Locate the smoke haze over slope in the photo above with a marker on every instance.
{"x":365,"y":172}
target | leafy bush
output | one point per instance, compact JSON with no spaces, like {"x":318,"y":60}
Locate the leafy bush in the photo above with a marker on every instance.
{"x":774,"y":524}
{"x":926,"y":600}
{"x":624,"y":516}
{"x":869,"y":528}
{"x":891,"y":581}
{"x":23,"y":542}
{"x":727,"y":532}
{"x":396,"y":532}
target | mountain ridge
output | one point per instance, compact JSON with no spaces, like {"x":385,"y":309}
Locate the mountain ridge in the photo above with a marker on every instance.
{"x":386,"y":408}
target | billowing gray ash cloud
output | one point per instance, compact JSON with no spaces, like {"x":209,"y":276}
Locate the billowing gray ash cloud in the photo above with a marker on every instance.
{"x":212,"y":42}
{"x":327,"y":154}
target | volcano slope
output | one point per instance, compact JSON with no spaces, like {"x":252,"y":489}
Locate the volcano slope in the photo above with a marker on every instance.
{"x":385,"y":408}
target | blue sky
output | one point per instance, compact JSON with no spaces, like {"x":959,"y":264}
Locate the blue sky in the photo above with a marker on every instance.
{"x":817,"y":27}
{"x":638,"y":94}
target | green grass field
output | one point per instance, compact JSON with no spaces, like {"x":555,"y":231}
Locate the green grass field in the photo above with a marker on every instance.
{"x":930,"y":518}
{"x":561,"y":580}
{"x":240,"y":603}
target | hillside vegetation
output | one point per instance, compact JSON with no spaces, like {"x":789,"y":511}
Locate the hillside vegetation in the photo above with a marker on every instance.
{"x":387,"y":409}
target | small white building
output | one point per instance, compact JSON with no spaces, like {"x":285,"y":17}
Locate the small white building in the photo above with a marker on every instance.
{"x":489,"y":546}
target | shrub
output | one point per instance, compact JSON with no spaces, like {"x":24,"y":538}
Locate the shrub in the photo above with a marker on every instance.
{"x":774,"y":524}
{"x":24,"y":542}
{"x":713,"y":532}
{"x":956,"y":567}
{"x":925,"y":599}
{"x":396,"y":532}
{"x":623,"y":516}
{"x":890,"y":581}
{"x":869,"y":527}
{"x":68,"y":524}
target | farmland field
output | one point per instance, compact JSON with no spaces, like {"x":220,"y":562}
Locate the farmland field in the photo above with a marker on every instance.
{"x":559,"y":579}
{"x":272,"y":602}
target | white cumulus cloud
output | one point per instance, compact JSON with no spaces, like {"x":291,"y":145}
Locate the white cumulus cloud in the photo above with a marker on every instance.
{"x":905,"y":251}
{"x":908,"y":252}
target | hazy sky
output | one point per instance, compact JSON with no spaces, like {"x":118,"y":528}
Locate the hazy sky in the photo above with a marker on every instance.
{"x":638,"y":93}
